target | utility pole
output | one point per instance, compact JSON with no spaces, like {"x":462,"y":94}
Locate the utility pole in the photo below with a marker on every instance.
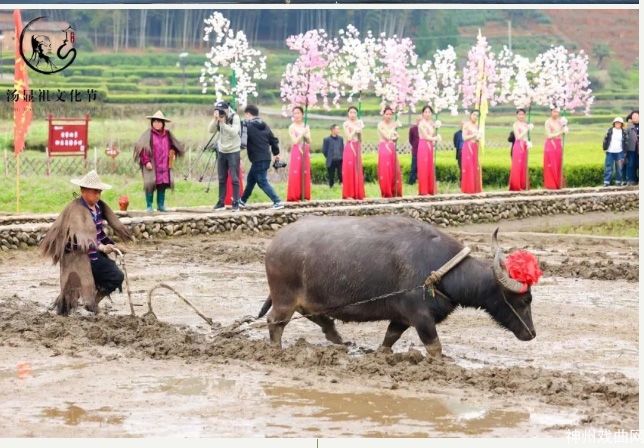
{"x":510,"y":35}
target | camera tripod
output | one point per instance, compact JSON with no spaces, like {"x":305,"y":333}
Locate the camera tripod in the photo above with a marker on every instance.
{"x":212,"y":148}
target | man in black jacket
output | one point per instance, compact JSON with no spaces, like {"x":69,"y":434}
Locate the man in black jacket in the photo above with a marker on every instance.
{"x":333,"y":148}
{"x":458,"y":145}
{"x":261,"y":142}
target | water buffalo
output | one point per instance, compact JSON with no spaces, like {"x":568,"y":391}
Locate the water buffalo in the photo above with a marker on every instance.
{"x":321,"y":265}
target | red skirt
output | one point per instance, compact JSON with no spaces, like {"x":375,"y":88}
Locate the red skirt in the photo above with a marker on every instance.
{"x":519,"y":170}
{"x":470,"y":168}
{"x":352,"y":174}
{"x":426,"y":168}
{"x":552,"y":164}
{"x":228,"y":200}
{"x":389,"y":174}
{"x":299,"y":163}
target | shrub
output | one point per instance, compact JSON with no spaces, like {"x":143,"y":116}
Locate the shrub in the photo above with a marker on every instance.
{"x":123,"y":87}
{"x":149,"y":99}
{"x":494,"y":175}
{"x":627,"y":95}
{"x":133,"y":79}
{"x":84,"y":44}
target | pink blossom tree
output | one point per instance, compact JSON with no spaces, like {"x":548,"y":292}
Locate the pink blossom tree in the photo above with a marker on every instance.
{"x":395,"y":78}
{"x":562,"y":82}
{"x":306,"y":82}
{"x":480,"y":77}
{"x":394,"y":81}
{"x":523,"y":93}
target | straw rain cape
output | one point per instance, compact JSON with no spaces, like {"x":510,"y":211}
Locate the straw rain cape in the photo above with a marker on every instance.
{"x":75,"y":224}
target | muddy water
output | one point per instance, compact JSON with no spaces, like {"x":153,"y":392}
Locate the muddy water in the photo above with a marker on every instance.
{"x":117,"y":376}
{"x":236,"y":402}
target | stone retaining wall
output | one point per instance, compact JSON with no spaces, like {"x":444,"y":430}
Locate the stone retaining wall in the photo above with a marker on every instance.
{"x":48,"y":218}
{"x":440,"y":213}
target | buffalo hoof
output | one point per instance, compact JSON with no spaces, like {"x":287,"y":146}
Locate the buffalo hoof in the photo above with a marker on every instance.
{"x":385,"y":350}
{"x":334,"y":337}
{"x":435,"y":349}
{"x":94,"y":309}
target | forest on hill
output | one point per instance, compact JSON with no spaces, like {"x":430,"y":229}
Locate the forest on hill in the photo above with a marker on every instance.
{"x":130,"y":29}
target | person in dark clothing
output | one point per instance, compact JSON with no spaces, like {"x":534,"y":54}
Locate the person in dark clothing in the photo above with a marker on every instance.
{"x":261,"y":142}
{"x":633,"y":148}
{"x":413,"y":141}
{"x":333,"y":148}
{"x":458,"y":145}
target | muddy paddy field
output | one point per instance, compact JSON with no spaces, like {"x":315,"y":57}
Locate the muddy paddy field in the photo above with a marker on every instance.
{"x":114,"y":375}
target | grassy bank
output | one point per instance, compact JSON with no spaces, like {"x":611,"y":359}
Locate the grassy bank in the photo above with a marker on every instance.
{"x":623,"y":228}
{"x":583,"y":144}
{"x":50,"y":195}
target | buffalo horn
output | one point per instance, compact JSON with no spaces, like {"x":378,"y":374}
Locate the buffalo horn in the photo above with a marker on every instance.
{"x":495,"y":245}
{"x":502,"y":277}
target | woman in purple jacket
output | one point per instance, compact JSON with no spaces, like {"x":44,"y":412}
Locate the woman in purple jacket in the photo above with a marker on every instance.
{"x":156,"y":151}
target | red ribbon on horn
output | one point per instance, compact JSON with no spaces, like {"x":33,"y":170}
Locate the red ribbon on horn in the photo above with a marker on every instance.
{"x":523,"y":266}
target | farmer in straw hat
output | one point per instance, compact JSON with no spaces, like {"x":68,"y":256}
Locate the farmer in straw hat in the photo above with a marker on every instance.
{"x":77,"y":239}
{"x":156,"y":151}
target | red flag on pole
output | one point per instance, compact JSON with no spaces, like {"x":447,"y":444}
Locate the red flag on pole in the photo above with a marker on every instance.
{"x":22,"y":112}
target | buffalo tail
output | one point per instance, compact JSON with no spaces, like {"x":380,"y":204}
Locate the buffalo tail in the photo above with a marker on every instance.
{"x":267,"y":305}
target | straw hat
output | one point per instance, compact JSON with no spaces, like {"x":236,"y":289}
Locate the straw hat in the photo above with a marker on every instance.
{"x":91,"y":180}
{"x":158,"y":115}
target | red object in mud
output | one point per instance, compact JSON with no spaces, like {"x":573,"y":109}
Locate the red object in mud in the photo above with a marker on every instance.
{"x":123,"y":203}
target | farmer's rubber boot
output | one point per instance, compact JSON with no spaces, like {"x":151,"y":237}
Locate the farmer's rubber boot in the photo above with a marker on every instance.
{"x":161,"y":201}
{"x":148,"y":201}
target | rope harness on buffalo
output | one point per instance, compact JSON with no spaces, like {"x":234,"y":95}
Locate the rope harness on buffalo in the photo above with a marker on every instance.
{"x":517,"y":314}
{"x":121,"y":259}
{"x":435,"y":277}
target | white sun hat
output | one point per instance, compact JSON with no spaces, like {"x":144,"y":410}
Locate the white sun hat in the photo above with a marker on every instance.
{"x":91,"y":180}
{"x":158,"y":115}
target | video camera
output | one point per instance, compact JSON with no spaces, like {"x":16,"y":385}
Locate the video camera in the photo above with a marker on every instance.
{"x":278,"y":164}
{"x":223,"y":108}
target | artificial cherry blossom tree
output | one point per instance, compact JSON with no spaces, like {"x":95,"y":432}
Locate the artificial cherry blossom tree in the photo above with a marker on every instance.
{"x":354,"y":68}
{"x":230,"y":50}
{"x":305,"y":82}
{"x":394,"y":80}
{"x":562,"y":80}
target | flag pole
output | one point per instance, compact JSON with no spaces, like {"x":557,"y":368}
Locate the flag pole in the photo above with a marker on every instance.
{"x":303,"y":143}
{"x":527,"y":152}
{"x":396,"y":159}
{"x":435,"y":149}
{"x":563,"y":144}
{"x":18,"y":183}
{"x":478,"y":143}
{"x":303,"y":164}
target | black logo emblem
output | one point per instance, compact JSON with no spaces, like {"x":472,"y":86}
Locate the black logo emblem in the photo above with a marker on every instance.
{"x":41,"y":59}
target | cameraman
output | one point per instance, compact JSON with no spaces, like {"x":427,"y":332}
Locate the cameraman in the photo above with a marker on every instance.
{"x":260,"y":139}
{"x":226,"y":123}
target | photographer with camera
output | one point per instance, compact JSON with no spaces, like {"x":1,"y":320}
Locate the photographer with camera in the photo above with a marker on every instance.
{"x":228,"y":127}
{"x":261,"y":142}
